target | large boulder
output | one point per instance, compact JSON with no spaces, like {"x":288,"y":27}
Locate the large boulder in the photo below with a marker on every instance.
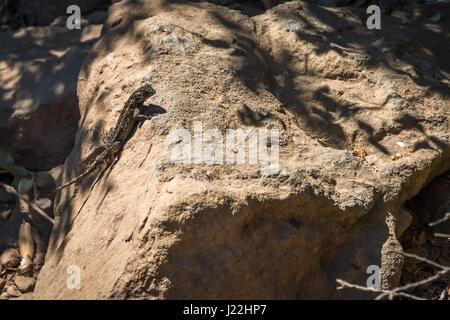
{"x":363,"y":126}
{"x":39,"y":110}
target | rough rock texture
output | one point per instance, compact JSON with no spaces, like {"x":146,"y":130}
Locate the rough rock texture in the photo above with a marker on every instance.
{"x":39,"y":112}
{"x":363,"y":122}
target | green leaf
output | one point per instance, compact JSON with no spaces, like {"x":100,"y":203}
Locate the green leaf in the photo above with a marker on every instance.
{"x":18,"y":171}
{"x":25,"y":185}
{"x":5,"y":159}
{"x":44,"y":180}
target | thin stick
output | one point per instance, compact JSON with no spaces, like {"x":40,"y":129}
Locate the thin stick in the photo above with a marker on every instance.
{"x":41,"y":212}
{"x":391,"y":293}
{"x":445,"y":218}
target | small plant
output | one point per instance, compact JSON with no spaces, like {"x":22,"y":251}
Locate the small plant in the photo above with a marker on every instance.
{"x":29,"y":181}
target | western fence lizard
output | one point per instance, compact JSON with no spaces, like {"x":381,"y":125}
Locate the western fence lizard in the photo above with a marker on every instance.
{"x":128,"y":119}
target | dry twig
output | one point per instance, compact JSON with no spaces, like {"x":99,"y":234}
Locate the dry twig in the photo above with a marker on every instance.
{"x":445,"y":218}
{"x":41,"y":212}
{"x":391,"y":293}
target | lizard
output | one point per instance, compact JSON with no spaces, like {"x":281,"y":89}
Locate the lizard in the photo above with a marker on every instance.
{"x":129,"y":116}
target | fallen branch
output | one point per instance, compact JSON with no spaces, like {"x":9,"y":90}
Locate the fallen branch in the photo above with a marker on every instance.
{"x":445,"y":218}
{"x":442,"y":235}
{"x":391,"y":293}
{"x":41,"y":212}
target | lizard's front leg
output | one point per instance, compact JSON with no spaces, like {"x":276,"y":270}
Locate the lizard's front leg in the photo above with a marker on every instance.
{"x":113,"y":150}
{"x":140,"y":117}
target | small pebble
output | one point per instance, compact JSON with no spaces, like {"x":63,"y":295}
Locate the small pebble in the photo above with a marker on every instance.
{"x":4,"y":296}
{"x":6,"y":214}
{"x":12,"y":291}
{"x":10,"y":258}
{"x":25,"y":284}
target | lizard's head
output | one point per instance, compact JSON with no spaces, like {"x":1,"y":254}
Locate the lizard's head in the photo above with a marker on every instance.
{"x":143,"y":93}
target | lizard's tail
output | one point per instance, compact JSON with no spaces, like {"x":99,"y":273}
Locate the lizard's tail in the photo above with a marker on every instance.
{"x":92,"y":168}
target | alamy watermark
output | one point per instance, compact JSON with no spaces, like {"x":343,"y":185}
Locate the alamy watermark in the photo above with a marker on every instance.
{"x":74,"y":280}
{"x":374,"y":280}
{"x":74,"y":20}
{"x":374,"y":20}
{"x":235,"y":146}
